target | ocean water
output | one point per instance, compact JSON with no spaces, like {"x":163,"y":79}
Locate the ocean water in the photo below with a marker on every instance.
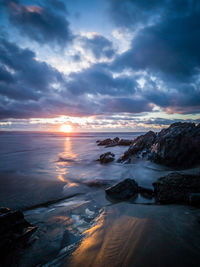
{"x":40,"y":167}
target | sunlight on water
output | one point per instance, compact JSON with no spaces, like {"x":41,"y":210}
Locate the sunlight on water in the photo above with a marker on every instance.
{"x":62,"y":166}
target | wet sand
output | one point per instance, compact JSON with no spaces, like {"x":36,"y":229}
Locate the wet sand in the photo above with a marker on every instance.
{"x":141,"y":235}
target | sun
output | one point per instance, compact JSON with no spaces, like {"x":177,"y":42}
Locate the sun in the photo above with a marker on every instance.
{"x":66,"y":128}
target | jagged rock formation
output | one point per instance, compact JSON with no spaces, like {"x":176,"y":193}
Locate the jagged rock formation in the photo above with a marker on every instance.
{"x":177,"y":146}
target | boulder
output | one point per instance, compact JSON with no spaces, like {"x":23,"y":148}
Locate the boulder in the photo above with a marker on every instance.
{"x":177,"y":188}
{"x":177,"y":146}
{"x":123,"y":190}
{"x":14,"y":229}
{"x":106,"y":157}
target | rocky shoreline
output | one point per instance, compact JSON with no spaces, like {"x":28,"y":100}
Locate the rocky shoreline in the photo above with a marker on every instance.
{"x":177,"y":146}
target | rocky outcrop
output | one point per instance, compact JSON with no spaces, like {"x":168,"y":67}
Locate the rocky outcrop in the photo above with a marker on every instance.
{"x":142,"y":144}
{"x":177,"y":146}
{"x":114,"y":142}
{"x":106,"y":157}
{"x":177,"y":188}
{"x":14,"y":230}
{"x":127,"y":189}
{"x":105,"y":142}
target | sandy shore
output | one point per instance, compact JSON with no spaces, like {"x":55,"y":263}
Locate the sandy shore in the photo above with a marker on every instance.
{"x":141,"y":235}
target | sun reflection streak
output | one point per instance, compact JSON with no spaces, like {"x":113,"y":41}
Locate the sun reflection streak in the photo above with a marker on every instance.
{"x":62,"y":166}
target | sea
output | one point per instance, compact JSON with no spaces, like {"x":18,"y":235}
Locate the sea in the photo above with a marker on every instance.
{"x":56,"y":180}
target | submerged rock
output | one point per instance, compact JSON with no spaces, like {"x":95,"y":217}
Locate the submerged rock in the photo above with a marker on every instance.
{"x":107,"y":157}
{"x":177,"y":188}
{"x":123,"y":190}
{"x":14,"y":229}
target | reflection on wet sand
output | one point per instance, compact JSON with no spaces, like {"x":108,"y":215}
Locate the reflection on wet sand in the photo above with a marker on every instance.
{"x":127,"y":235}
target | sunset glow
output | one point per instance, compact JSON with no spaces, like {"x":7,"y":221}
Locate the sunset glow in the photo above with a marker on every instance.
{"x":66,"y":128}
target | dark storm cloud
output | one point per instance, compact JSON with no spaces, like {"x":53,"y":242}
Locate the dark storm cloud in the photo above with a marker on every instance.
{"x":22,"y":76}
{"x":40,"y":23}
{"x":134,"y":13}
{"x":100,"y":46}
{"x":125,"y":105}
{"x":166,"y":48}
{"x":99,"y":80}
{"x":59,"y":5}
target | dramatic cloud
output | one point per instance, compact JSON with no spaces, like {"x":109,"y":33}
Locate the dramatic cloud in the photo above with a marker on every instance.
{"x":99,"y":46}
{"x":40,"y":23}
{"x":135,"y":13}
{"x":155,"y":71}
{"x":99,"y":80}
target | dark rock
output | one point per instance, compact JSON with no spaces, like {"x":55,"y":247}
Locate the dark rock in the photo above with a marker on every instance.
{"x":177,"y":146}
{"x":105,"y":142}
{"x":176,"y":188}
{"x":14,"y":229}
{"x":106,"y":157}
{"x":123,"y":190}
{"x":194,"y":199}
{"x":125,"y":142}
{"x":143,"y":142}
{"x":114,"y":142}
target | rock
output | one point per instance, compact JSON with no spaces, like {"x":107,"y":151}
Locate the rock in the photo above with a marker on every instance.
{"x":114,"y":142}
{"x":105,"y":142}
{"x":194,"y":199}
{"x":142,"y":142}
{"x":123,"y":190}
{"x":14,"y":229}
{"x":178,"y":146}
{"x":124,"y":142}
{"x":106,"y":157}
{"x":176,"y":188}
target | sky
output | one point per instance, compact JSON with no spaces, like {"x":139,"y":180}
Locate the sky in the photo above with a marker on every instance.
{"x":99,"y":65}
